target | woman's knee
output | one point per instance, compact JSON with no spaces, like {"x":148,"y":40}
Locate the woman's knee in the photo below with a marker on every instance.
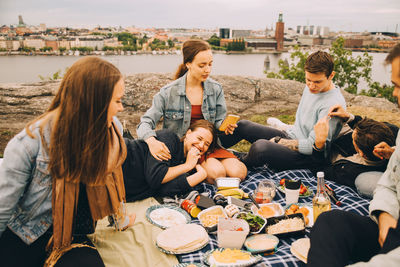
{"x":214,"y":169}
{"x":234,"y":168}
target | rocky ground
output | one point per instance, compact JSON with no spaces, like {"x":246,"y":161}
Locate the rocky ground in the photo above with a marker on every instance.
{"x":245,"y":96}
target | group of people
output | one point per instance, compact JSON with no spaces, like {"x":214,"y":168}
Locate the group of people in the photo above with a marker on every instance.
{"x":71,"y":166}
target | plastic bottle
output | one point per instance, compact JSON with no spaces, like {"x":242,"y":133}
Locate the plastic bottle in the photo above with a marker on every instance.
{"x":321,"y":201}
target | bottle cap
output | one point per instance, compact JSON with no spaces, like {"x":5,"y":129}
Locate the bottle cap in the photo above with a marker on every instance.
{"x":320,"y":174}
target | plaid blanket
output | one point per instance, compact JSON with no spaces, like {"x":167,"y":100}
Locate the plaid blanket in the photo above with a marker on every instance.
{"x":351,"y":201}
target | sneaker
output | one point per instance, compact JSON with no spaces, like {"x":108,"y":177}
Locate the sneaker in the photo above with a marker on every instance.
{"x":277,"y":124}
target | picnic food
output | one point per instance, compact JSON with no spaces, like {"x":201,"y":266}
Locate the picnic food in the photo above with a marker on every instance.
{"x":209,"y":217}
{"x":167,"y":217}
{"x":296,"y":209}
{"x":182,"y":238}
{"x":230,"y":255}
{"x":285,"y":226}
{"x":255,"y":222}
{"x":300,"y":248}
{"x":233,"y":192}
{"x":303,"y":189}
{"x":261,"y":243}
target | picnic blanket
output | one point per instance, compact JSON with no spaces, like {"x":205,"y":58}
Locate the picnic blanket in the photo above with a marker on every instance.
{"x":351,"y":201}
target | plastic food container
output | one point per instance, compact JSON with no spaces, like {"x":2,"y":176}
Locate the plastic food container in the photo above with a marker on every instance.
{"x":291,"y":233}
{"x":242,"y":215}
{"x":209,"y":217}
{"x":232,"y":232}
{"x":261,"y":243}
{"x":227,"y":182}
{"x":268,"y":210}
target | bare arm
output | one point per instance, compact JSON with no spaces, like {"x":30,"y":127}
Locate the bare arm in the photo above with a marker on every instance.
{"x":192,"y":158}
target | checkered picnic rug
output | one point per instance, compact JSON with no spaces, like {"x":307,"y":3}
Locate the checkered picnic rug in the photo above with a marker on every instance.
{"x":351,"y":201}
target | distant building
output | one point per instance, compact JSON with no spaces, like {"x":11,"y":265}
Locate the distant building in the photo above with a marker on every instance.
{"x":279,"y":33}
{"x":240,"y":34}
{"x":261,"y":44}
{"x":224,"y":33}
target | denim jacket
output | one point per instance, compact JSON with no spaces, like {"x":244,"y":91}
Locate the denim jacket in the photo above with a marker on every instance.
{"x":172,"y":104}
{"x":26,"y":185}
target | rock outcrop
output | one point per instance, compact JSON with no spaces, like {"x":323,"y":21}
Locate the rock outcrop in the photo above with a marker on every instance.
{"x":20,"y":103}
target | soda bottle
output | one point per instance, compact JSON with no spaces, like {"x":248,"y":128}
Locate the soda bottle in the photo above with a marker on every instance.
{"x":321,"y":201}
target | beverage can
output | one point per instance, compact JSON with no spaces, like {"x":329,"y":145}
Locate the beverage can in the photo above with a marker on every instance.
{"x":190,"y":207}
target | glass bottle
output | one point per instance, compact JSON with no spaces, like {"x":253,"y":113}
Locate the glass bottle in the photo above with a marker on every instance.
{"x":321,"y":201}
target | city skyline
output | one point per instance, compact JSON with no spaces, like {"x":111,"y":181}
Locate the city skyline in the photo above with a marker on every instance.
{"x":339,"y":15}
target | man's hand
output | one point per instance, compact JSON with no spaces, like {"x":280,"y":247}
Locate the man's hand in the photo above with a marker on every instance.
{"x":339,"y":112}
{"x":385,"y":221}
{"x":230,"y":128}
{"x":321,"y":129}
{"x":292,"y":144}
{"x":192,"y":157}
{"x":158,"y":149}
{"x":383,"y":150}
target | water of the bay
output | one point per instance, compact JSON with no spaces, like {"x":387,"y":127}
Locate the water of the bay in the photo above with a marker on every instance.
{"x":26,"y":69}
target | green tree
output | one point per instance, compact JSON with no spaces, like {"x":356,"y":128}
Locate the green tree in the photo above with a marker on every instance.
{"x":214,"y":40}
{"x":170,"y":43}
{"x":62,"y":49}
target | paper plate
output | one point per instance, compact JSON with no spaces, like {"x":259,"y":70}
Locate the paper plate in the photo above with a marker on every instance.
{"x":202,"y":245}
{"x":167,"y":216}
{"x":306,"y":194}
{"x":304,"y":243}
{"x":310,"y":215}
{"x":207,"y":258}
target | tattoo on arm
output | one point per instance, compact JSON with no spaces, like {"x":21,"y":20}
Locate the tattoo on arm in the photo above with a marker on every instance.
{"x":292,"y":144}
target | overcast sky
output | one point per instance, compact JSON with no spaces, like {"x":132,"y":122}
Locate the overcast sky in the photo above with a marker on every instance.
{"x":347,"y":15}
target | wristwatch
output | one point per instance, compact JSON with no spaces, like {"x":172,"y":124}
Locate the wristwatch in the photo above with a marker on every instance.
{"x":277,"y":139}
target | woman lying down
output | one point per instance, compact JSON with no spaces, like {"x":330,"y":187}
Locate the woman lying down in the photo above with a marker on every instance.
{"x":145,"y":176}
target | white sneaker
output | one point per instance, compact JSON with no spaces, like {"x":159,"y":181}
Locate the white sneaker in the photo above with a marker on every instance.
{"x":277,"y":124}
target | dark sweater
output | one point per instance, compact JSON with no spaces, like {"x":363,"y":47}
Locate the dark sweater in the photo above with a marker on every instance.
{"x":143,"y":173}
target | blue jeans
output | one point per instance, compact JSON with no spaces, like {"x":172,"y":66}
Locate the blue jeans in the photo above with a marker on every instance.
{"x":366,"y":183}
{"x":263,"y":151}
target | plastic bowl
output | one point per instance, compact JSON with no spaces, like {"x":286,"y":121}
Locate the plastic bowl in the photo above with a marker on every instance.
{"x":260,"y":238}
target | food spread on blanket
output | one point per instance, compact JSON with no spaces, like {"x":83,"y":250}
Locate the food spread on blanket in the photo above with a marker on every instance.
{"x":209,"y":217}
{"x":285,"y":226}
{"x":255,"y":222}
{"x":167,"y":217}
{"x":261,"y":242}
{"x":294,"y":208}
{"x":230,"y":256}
{"x":303,"y":189}
{"x":182,"y":238}
{"x":300,"y":248}
{"x":268,"y":210}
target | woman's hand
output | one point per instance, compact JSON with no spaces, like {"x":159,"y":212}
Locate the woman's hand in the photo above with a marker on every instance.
{"x":158,"y":149}
{"x":339,"y":112}
{"x":385,"y":221}
{"x":321,"y":129}
{"x":192,"y":157}
{"x":383,"y":150}
{"x":230,"y":128}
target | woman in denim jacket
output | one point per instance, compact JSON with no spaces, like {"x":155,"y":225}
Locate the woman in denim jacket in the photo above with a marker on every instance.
{"x":192,"y":96}
{"x":63,"y":172}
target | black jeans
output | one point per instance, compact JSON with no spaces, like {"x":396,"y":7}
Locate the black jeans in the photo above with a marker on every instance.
{"x":339,"y":238}
{"x":16,"y":253}
{"x":262,"y":151}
